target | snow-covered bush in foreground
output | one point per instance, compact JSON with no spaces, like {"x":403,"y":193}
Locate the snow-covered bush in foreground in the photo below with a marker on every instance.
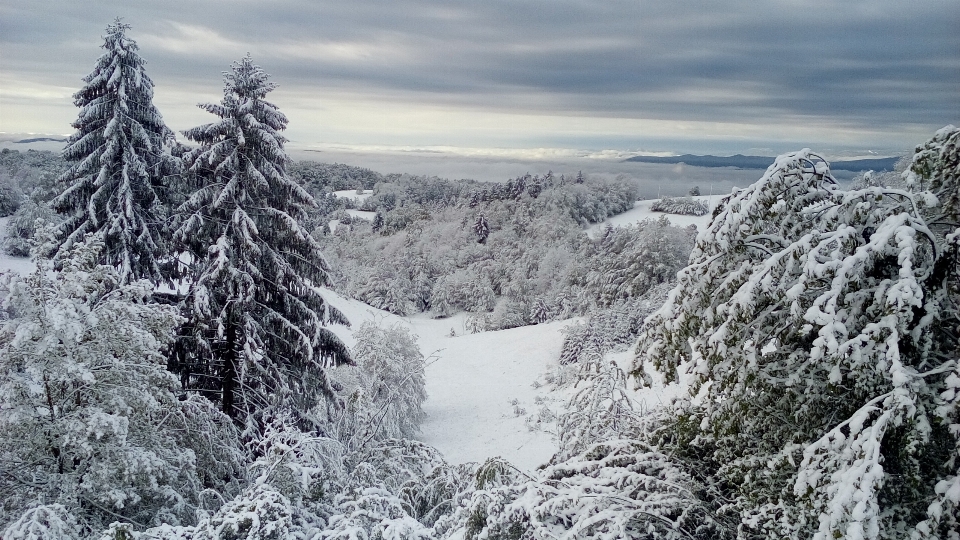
{"x":22,"y":227}
{"x":617,"y":489}
{"x":817,"y":324}
{"x":91,"y":424}
{"x":386,"y":390}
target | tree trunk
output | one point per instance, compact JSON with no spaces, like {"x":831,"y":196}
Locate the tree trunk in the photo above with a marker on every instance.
{"x":229,"y":381}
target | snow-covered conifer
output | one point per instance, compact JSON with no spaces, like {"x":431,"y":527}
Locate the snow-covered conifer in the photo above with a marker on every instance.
{"x":121,"y":147}
{"x":23,"y":225}
{"x":481,"y":228}
{"x":256,"y":335}
{"x":811,"y":321}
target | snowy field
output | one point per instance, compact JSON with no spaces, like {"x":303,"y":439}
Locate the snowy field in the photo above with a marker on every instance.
{"x":352,"y":194}
{"x":17,"y":264}
{"x":484,"y":390}
{"x":641,"y":211}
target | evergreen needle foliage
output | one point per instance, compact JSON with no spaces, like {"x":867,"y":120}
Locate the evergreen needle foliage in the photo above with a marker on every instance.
{"x":121,"y":147}
{"x":256,"y":334}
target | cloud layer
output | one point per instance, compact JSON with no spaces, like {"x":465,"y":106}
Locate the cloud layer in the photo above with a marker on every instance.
{"x":683,"y":75}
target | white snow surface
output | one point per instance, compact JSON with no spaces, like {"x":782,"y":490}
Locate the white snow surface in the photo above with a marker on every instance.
{"x":483,"y":389}
{"x":352,"y":194}
{"x":641,"y":211}
{"x":362,"y":214}
{"x":21,"y":265}
{"x":476,"y":383}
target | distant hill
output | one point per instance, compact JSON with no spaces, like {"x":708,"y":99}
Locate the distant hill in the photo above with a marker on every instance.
{"x":740,"y":161}
{"x":39,"y":139}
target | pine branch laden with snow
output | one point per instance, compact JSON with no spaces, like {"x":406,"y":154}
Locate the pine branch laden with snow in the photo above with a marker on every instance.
{"x":122,"y":150}
{"x":90,"y":421}
{"x":258,"y":335}
{"x":614,"y":490}
{"x":810,"y":320}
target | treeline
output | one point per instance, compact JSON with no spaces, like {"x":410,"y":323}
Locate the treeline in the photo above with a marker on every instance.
{"x":509,"y":254}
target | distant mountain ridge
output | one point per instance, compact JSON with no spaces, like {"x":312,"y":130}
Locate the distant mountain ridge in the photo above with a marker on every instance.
{"x":39,"y":139}
{"x":741,"y":161}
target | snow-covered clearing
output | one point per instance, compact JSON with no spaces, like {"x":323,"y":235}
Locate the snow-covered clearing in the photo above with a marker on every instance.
{"x":362,"y":214}
{"x":20,"y":265}
{"x":641,"y":211}
{"x":477,"y":384}
{"x":485,"y":389}
{"x":352,"y":194}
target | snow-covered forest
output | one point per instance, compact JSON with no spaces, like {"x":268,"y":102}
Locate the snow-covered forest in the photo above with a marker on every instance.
{"x":210,"y":341}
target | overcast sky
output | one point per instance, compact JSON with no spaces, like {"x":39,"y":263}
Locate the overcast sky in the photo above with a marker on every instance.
{"x":723,"y":76}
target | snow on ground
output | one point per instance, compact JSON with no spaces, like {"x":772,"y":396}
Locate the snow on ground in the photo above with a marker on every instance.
{"x":362,"y":214}
{"x":21,"y":265}
{"x":356,"y":214}
{"x":641,"y":211}
{"x":484,"y":389}
{"x":352,"y":194}
{"x":481,"y":387}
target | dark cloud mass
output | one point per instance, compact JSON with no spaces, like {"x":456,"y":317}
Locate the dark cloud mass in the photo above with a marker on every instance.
{"x":881,"y":70}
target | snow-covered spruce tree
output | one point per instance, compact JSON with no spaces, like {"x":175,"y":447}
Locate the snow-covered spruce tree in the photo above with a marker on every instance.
{"x":481,"y":228}
{"x":256,"y":333}
{"x":121,"y":147}
{"x":91,"y":424}
{"x":817,"y":325}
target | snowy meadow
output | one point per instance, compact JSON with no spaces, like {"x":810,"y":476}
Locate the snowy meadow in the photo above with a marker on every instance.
{"x":202,"y":338}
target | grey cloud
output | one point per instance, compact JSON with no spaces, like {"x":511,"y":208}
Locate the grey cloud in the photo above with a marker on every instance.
{"x":880,"y":63}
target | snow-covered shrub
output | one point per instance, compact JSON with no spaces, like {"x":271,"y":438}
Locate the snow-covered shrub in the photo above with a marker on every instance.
{"x":260,"y":513}
{"x":540,"y":311}
{"x":392,"y":380}
{"x":680,"y":205}
{"x":461,"y":291}
{"x":510,"y":313}
{"x":11,"y":197}
{"x":398,"y":487}
{"x":601,"y":410}
{"x":388,"y":289}
{"x":610,"y":328}
{"x":374,"y":513}
{"x":23,"y":225}
{"x":90,"y":418}
{"x":617,"y":489}
{"x":43,"y":522}
{"x":307,"y":469}
{"x":811,"y":322}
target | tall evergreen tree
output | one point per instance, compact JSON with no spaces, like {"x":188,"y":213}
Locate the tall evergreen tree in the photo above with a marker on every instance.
{"x":256,"y":336}
{"x":121,"y":147}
